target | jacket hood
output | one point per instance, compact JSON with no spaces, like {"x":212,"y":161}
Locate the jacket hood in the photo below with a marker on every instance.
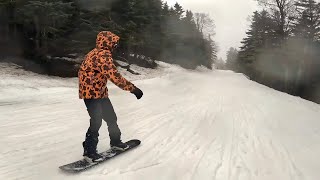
{"x":107,"y":40}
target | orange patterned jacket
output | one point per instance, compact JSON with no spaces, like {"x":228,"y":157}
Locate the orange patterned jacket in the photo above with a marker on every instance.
{"x":98,"y":68}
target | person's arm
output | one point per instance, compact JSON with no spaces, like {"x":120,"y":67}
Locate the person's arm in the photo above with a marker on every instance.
{"x":108,"y":68}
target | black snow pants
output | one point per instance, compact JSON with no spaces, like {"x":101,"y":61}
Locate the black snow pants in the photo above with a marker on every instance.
{"x":99,"y":109}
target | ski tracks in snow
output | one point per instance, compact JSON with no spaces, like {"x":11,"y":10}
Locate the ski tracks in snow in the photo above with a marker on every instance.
{"x":193,"y":125}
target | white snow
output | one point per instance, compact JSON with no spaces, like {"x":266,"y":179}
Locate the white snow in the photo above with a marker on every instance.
{"x":199,"y":125}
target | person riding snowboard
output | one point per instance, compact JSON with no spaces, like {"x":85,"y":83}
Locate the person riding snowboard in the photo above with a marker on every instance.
{"x":96,"y":69}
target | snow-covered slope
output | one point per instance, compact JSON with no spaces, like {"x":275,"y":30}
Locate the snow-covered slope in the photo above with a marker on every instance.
{"x":198,"y":125}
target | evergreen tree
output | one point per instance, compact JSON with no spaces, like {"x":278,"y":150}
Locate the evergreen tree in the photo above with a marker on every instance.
{"x":232,"y":59}
{"x":307,"y":24}
{"x":261,"y":35}
{"x":45,"y":19}
{"x":286,"y":63}
{"x":146,"y":27}
{"x":178,"y":10}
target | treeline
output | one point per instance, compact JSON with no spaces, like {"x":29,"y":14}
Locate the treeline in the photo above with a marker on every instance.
{"x":149,"y":28}
{"x":282,"y":47}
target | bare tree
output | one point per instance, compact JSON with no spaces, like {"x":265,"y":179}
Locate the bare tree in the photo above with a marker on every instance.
{"x":204,"y":23}
{"x":283,"y":11}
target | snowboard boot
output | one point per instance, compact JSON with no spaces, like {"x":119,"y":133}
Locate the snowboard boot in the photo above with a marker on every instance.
{"x":119,"y":145}
{"x":90,"y":148}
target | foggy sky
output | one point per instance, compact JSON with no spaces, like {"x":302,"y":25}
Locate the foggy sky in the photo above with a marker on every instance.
{"x":230,"y":18}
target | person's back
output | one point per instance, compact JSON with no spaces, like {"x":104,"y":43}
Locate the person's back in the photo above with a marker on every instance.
{"x":94,"y":72}
{"x":98,"y":67}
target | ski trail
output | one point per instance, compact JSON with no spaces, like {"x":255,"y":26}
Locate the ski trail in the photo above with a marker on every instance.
{"x":193,"y":125}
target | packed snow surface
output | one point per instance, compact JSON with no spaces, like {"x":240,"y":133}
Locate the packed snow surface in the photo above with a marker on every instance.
{"x":199,"y":125}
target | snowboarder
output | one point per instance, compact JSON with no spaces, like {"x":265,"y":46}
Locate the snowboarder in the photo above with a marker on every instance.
{"x":94,"y":72}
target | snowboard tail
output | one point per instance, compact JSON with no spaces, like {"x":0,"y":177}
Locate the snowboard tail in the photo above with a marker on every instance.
{"x":82,"y":165}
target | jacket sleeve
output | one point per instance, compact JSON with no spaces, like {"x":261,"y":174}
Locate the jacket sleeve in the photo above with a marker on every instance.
{"x":108,"y":68}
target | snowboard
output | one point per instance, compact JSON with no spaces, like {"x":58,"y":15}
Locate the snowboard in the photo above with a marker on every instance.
{"x":82,"y":164}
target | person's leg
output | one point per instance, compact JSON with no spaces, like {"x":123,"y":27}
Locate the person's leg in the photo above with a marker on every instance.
{"x":95,"y":113}
{"x":110,"y":118}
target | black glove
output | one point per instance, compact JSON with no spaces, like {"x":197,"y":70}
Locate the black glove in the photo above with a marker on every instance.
{"x":137,"y":92}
